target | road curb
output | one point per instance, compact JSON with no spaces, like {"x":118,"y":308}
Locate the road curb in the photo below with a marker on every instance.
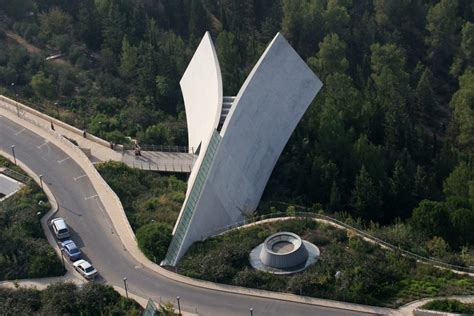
{"x":128,"y":239}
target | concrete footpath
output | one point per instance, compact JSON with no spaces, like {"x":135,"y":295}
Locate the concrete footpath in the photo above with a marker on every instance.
{"x":98,"y":149}
{"x":115,"y":211}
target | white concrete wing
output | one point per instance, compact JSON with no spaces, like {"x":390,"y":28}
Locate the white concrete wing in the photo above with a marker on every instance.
{"x":201,"y":86}
{"x":235,"y":167}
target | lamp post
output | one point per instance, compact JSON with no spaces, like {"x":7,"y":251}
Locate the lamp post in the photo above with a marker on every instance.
{"x":41,"y":181}
{"x":125,"y":284}
{"x":251,"y":311}
{"x":13,"y":152}
{"x":179,"y":305}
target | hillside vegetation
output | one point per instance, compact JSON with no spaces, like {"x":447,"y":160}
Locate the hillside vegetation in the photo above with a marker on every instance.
{"x":368,"y":274}
{"x":390,"y":135}
{"x":24,"y":250}
{"x":67,"y":299}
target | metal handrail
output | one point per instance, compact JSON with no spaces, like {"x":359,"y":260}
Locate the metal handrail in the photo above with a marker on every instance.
{"x":162,"y":148}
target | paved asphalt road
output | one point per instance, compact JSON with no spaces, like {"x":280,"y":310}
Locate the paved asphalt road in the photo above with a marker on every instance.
{"x":92,"y":230}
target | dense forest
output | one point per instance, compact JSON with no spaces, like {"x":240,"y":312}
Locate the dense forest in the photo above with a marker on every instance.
{"x":392,"y":127}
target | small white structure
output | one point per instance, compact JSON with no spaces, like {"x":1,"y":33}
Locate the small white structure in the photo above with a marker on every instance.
{"x":284,"y":253}
{"x":238,"y":139}
{"x":8,"y":186}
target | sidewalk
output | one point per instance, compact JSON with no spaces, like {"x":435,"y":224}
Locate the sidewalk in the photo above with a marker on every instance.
{"x":98,"y":149}
{"x":42,"y":283}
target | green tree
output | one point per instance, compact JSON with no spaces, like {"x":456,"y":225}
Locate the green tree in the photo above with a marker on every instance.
{"x":59,"y":299}
{"x":55,"y":22}
{"x":365,"y":198}
{"x":443,"y":25}
{"x":425,"y":96}
{"x":331,"y":57}
{"x":336,"y":18}
{"x":370,"y":155}
{"x":438,"y":247}
{"x":154,"y":239}
{"x":42,"y":85}
{"x":431,"y":219}
{"x":462,"y":104}
{"x":392,"y":94}
{"x":458,"y":183}
{"x":402,"y":187}
{"x":128,"y":59}
{"x":425,"y":186}
{"x":465,"y":56}
{"x":198,"y":21}
{"x":229,"y":58}
{"x":88,"y":23}
{"x":462,"y":220}
{"x":334,"y":203}
{"x":114,"y":29}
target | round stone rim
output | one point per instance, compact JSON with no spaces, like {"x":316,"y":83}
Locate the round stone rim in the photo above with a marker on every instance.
{"x":298,"y":259}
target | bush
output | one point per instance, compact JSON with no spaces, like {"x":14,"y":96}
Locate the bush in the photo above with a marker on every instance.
{"x":154,"y":239}
{"x":450,"y":306}
{"x":24,"y":250}
{"x":67,"y":299}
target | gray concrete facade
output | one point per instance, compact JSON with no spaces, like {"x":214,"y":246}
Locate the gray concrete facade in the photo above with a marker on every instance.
{"x":230,"y":176}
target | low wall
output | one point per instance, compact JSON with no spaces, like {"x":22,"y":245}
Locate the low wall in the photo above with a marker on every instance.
{"x":21,"y":107}
{"x":425,"y":312}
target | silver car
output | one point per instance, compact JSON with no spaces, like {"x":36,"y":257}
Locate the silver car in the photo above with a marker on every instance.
{"x":85,"y":269}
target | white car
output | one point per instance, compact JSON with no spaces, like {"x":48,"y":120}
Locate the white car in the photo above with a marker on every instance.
{"x":85,"y":268}
{"x":60,"y":228}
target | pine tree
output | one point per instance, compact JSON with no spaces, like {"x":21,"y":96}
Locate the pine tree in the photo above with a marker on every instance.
{"x":128,"y":60}
{"x":365,"y":199}
{"x":425,"y":97}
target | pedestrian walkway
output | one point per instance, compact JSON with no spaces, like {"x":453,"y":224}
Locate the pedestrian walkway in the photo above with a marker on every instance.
{"x":99,"y":150}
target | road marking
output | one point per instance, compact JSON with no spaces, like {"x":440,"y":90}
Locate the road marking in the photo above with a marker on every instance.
{"x":63,"y":160}
{"x":45,"y":143}
{"x":90,"y":197}
{"x":19,"y":132}
{"x":77,"y":178}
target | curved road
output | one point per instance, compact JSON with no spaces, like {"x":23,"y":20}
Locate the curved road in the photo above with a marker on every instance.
{"x":93,"y":232}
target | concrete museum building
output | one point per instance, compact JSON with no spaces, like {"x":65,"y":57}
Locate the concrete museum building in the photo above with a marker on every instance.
{"x":237,"y":139}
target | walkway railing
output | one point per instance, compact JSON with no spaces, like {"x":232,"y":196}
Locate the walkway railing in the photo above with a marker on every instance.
{"x":162,"y":148}
{"x":286,"y":215}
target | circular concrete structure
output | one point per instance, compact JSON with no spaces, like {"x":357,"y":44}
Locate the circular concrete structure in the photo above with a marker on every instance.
{"x":284,"y":253}
{"x":283,"y":250}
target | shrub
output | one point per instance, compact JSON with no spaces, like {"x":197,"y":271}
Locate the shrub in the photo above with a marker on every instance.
{"x":154,"y":239}
{"x":451,"y":306}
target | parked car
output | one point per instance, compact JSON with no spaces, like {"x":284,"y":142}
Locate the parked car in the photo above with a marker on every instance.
{"x":60,"y":228}
{"x":85,"y":269}
{"x":71,"y":250}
